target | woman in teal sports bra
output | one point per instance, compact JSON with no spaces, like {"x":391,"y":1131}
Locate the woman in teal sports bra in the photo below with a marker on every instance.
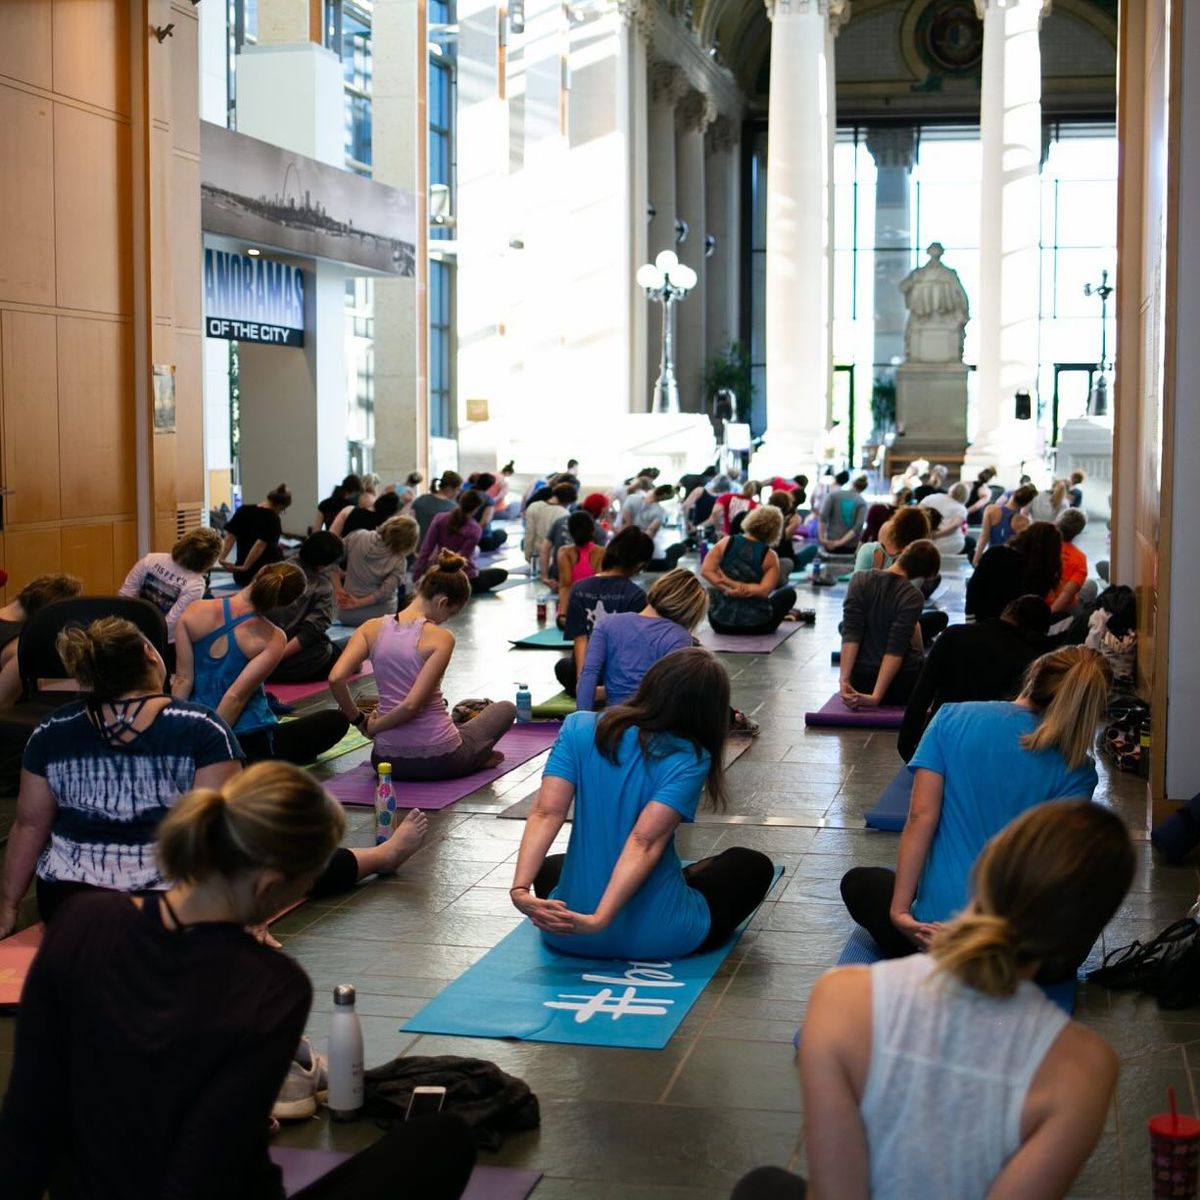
{"x":226,"y":649}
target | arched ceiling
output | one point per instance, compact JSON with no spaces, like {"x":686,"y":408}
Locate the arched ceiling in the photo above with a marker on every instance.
{"x":906,"y":59}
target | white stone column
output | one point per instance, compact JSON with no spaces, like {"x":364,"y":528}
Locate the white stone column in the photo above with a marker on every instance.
{"x":799,"y":261}
{"x":667,"y":85}
{"x":1010,"y":121}
{"x":723,"y":208}
{"x":894,"y":151}
{"x":695,"y":112}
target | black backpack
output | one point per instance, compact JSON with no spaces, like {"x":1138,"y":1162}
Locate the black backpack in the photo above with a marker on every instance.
{"x":1167,"y":967}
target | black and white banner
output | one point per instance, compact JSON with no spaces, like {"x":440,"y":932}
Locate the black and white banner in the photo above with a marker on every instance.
{"x":252,"y":299}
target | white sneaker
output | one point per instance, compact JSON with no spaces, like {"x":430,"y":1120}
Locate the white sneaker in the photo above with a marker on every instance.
{"x":306,"y":1085}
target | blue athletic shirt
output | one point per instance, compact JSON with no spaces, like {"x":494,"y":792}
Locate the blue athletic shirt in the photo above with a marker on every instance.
{"x":665,"y":918}
{"x":989,"y":779}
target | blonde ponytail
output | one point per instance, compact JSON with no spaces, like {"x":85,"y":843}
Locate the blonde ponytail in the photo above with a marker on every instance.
{"x":276,"y":585}
{"x":978,"y":950}
{"x":1070,"y":688}
{"x":272,"y":815}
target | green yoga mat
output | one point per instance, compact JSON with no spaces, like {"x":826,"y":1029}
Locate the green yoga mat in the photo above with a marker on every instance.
{"x":561,"y":705}
{"x":353,"y":740}
{"x":550,"y":638}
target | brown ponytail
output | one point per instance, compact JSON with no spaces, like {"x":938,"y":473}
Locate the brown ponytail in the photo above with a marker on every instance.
{"x":1045,"y":887}
{"x":107,"y":658}
{"x":272,"y":815}
{"x":469,"y":503}
{"x":446,"y":577}
{"x":275,"y":586}
{"x":1069,"y":687}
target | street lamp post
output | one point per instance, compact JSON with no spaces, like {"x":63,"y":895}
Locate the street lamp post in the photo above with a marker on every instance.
{"x":666,"y":280}
{"x":1099,"y":398}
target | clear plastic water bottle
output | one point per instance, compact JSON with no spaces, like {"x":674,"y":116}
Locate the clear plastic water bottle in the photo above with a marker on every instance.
{"x":524,"y":704}
{"x":345,"y":1056}
{"x":385,"y":804}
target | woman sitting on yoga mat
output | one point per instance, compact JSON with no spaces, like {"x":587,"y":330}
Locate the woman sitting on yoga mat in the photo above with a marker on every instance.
{"x":600,"y":596}
{"x":897,"y":534}
{"x":35,"y":595}
{"x":950,"y":1075}
{"x":376,"y":562}
{"x":979,"y":765}
{"x":581,"y":558}
{"x":225,"y":649}
{"x":154,"y":1033}
{"x":745,"y":596}
{"x":410,"y":653}
{"x":101,"y":774}
{"x":308,"y":653}
{"x":882,"y":648}
{"x":634,"y":773}
{"x":625,"y":646}
{"x":458,"y":532}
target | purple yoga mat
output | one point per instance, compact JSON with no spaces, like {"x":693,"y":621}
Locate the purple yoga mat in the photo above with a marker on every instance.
{"x":745,"y":643}
{"x":833,"y":714}
{"x":518,"y":745}
{"x":289,"y":693}
{"x":302,"y":1167}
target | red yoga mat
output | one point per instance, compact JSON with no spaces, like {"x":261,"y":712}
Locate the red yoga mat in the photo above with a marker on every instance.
{"x":289,"y":693}
{"x":518,"y":745}
{"x":16,"y":957}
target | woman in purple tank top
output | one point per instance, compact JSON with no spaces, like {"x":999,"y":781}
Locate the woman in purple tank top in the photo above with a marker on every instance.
{"x":409,"y":653}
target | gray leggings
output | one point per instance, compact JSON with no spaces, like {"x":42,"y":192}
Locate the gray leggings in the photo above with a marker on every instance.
{"x":479,"y":738}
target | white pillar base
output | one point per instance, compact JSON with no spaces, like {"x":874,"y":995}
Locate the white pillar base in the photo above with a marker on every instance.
{"x":789,"y":452}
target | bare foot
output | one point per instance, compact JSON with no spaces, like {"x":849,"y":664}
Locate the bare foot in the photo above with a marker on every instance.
{"x":493,"y":760}
{"x":409,"y":835}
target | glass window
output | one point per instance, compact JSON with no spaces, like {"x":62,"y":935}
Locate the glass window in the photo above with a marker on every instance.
{"x":348,"y":35}
{"x":440,"y":391}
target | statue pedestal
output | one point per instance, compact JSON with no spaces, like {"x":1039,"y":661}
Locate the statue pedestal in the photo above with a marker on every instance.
{"x":1086,"y":444}
{"x":931,"y":409}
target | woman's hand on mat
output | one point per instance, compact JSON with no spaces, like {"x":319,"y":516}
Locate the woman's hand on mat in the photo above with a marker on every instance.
{"x":920,"y":933}
{"x":856,"y":699}
{"x":553,"y":916}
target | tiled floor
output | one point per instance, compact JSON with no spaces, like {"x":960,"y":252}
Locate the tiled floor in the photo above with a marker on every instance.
{"x":687,"y":1121}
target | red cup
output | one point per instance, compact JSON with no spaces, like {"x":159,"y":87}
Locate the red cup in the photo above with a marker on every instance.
{"x":1174,"y":1155}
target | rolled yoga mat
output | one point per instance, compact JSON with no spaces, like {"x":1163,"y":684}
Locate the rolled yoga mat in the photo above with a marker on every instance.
{"x":550,"y":638}
{"x":862,"y":950}
{"x":747,"y":643}
{"x":518,"y":745}
{"x":834,"y":714}
{"x":891,"y":809}
{"x":522,"y":989}
{"x":303,"y":1167}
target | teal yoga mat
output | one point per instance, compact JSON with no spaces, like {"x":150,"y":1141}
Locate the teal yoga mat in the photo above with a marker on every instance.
{"x":522,"y":989}
{"x":550,"y":638}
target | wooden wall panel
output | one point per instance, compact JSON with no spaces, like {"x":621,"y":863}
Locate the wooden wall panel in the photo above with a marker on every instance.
{"x":185,"y":87}
{"x":189,"y":416}
{"x":25,"y":47}
{"x":96,"y":451}
{"x":30,"y":393}
{"x":29,"y":553}
{"x":88,"y":551}
{"x":26,"y":197}
{"x":91,"y":51}
{"x":92,"y":212}
{"x":187,"y":245}
{"x":124,"y":539}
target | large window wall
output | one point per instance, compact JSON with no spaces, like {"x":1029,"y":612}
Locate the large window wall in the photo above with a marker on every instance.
{"x":441,"y":150}
{"x":1078,"y":242}
{"x":348,"y":35}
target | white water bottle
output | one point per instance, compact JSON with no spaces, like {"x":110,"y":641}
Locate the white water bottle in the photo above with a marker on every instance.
{"x":345,"y":1057}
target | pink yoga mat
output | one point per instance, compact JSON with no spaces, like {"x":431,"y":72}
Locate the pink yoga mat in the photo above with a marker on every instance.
{"x":834,"y":714}
{"x":518,"y":745}
{"x":302,"y":1167}
{"x":745,"y":643}
{"x":289,"y":693}
{"x":16,"y":957}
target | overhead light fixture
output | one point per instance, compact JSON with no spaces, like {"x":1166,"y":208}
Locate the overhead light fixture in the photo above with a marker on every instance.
{"x":253,"y":251}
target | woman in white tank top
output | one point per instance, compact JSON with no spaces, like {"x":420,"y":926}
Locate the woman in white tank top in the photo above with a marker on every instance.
{"x":949,"y":1075}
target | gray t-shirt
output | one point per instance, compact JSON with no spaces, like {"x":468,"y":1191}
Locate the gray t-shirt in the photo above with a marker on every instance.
{"x":843,"y":511}
{"x":879,"y":613}
{"x":426,"y":507}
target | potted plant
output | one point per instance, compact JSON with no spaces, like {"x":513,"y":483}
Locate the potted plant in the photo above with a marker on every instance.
{"x":729,"y":370}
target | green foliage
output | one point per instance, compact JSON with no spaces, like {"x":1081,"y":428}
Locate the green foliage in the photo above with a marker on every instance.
{"x":730,"y":368}
{"x":883,"y":403}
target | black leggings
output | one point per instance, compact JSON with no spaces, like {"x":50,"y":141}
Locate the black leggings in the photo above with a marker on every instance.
{"x":297,"y":741}
{"x":783,"y":600}
{"x":310,"y":664}
{"x":566,"y":674}
{"x":768,"y":1183}
{"x":429,"y":1157}
{"x":340,"y":875}
{"x":487,"y":579}
{"x":863,"y":680}
{"x":867,"y":894}
{"x":733,"y":884}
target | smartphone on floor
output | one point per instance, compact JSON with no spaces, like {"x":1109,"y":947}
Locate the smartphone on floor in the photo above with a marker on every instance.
{"x":425,"y":1102}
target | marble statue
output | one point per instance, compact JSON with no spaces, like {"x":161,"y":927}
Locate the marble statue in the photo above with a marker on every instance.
{"x":938,"y":311}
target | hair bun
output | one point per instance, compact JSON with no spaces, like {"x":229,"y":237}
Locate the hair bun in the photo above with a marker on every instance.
{"x":450,"y":562}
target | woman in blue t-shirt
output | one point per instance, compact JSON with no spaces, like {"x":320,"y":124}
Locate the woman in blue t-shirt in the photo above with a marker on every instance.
{"x":979,"y":766}
{"x":634,"y":774}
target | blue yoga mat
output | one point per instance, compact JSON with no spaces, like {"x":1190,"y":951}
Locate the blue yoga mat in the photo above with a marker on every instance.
{"x":522,"y":989}
{"x":891,"y":809}
{"x":550,"y":638}
{"x":861,"y":951}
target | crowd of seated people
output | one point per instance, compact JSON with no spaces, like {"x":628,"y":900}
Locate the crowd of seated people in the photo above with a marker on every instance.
{"x":138,"y":821}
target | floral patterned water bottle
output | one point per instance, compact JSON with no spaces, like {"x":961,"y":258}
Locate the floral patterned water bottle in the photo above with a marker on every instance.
{"x":385,"y":804}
